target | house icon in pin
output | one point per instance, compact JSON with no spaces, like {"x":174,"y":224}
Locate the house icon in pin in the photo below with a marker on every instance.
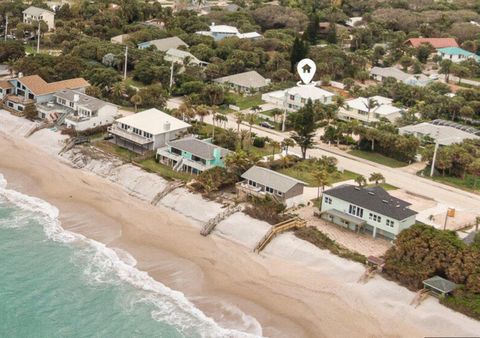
{"x":306,"y":68}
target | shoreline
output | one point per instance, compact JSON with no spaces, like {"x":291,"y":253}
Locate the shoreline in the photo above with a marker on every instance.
{"x":287,"y":298}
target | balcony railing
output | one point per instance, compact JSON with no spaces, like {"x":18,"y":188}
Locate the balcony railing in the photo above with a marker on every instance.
{"x":129,"y":136}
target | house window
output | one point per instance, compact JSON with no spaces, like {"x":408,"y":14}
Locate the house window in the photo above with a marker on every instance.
{"x":374,"y":217}
{"x":292,"y":97}
{"x":390,"y":223}
{"x":268,"y":189}
{"x":302,"y":100}
{"x":328,"y":200}
{"x":252,"y":183}
{"x":356,"y":211}
{"x":279,"y":193}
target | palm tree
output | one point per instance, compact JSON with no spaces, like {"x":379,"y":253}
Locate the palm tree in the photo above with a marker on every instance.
{"x":118,"y":90}
{"x":370,"y":105}
{"x":376,"y":177}
{"x":251,"y":119}
{"x":202,"y":111}
{"x":136,"y":100}
{"x":286,"y":143}
{"x":321,"y":179}
{"x":239,"y":118}
{"x":222,"y":119}
{"x":360,"y":180}
{"x":256,"y":109}
{"x":274,"y":145}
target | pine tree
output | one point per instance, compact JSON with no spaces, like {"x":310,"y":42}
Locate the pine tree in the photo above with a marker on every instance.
{"x":299,"y":52}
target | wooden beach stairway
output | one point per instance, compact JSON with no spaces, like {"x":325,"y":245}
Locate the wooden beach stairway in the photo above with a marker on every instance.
{"x":419,"y":297}
{"x":292,"y":223}
{"x":372,"y":266}
{"x":171,"y":186}
{"x":212,"y":223}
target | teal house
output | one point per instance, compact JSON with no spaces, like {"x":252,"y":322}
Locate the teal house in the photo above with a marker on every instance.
{"x":457,"y":54}
{"x":192,"y":155}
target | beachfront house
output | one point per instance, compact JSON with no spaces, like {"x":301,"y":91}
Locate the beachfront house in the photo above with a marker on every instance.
{"x":442,"y":131}
{"x":34,"y":14}
{"x":296,"y":97}
{"x":369,"y":110}
{"x":146,"y":130}
{"x":381,"y":74}
{"x":20,"y":92}
{"x":163,"y":44}
{"x":368,"y":209}
{"x":456,"y":54}
{"x":192,"y":155}
{"x":220,"y":32}
{"x":260,"y":182}
{"x":78,"y":110}
{"x":246,"y":82}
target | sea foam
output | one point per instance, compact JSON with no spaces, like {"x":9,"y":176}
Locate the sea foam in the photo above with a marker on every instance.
{"x":104,"y":265}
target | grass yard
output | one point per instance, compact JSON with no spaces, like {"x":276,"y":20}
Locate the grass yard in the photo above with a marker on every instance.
{"x":385,"y":186}
{"x":378,"y":158}
{"x":122,"y":153}
{"x":245,"y":102}
{"x":466,"y":184}
{"x":165,"y":171}
{"x":304,"y":171}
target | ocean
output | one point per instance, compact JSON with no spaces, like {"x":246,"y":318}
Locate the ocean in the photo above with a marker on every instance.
{"x":55,"y":283}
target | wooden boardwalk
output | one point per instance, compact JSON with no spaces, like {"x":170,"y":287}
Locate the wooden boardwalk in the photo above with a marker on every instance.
{"x":293,"y":223}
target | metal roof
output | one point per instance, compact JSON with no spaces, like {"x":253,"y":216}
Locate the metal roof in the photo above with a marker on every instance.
{"x":85,"y":101}
{"x":270,"y":178}
{"x":375,"y":199}
{"x":200,"y":148}
{"x":249,"y":79}
{"x":440,"y":284}
{"x":164,"y":44}
{"x":153,"y":121}
{"x":35,"y":11}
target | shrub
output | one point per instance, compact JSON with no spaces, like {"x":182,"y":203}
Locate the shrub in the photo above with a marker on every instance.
{"x":266,"y":209}
{"x":259,"y":142}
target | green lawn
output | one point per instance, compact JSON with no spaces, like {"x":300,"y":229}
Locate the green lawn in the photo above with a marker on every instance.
{"x":165,"y":171}
{"x":378,"y":158}
{"x":304,"y":172}
{"x":245,"y":102}
{"x":131,"y":82}
{"x":466,"y":184}
{"x":385,"y":186}
{"x":111,"y":148}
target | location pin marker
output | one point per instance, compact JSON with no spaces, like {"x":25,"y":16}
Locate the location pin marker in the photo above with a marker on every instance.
{"x":306,"y":69}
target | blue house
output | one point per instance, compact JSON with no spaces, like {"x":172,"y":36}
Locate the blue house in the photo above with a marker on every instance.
{"x":457,"y":54}
{"x":192,"y":155}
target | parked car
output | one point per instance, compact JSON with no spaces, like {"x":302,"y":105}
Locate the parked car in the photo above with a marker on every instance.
{"x":266,"y":124}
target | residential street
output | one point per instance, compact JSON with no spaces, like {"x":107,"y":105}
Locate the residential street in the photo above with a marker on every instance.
{"x":401,"y":178}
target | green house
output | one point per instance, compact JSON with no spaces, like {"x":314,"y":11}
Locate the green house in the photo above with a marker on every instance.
{"x":192,"y":155}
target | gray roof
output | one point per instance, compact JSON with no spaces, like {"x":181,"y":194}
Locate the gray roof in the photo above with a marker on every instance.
{"x":35,"y":11}
{"x":89,"y":102}
{"x":167,"y":43}
{"x":441,"y":284}
{"x":374,"y":198}
{"x":270,"y":178}
{"x":200,"y":148}
{"x":444,"y":133}
{"x":249,"y":79}
{"x":390,"y":72}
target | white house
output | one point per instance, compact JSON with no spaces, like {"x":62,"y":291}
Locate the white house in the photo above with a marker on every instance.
{"x":370,"y":109}
{"x":79,"y":110}
{"x":442,"y":131}
{"x":381,"y":74}
{"x":371,"y":210}
{"x":164,"y":44}
{"x":32,"y":14}
{"x":456,"y":54}
{"x":296,"y":97}
{"x":147,"y":130}
{"x":180,"y":56}
{"x":219,"y":32}
{"x":260,"y":182}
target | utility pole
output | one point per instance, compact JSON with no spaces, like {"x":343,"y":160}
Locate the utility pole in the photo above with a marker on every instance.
{"x":171,"y":76}
{"x":125,"y":66}
{"x":38,"y":37}
{"x":6,"y":26}
{"x":432,"y":169}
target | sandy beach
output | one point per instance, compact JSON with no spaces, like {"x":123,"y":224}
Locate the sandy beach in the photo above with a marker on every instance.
{"x":292,"y":290}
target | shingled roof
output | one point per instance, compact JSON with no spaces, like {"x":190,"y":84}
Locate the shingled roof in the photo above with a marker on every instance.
{"x":434,"y":42}
{"x":374,"y":198}
{"x":39,"y":86}
{"x":200,"y":148}
{"x":270,"y":178}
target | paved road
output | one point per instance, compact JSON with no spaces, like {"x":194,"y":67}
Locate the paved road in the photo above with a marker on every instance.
{"x":450,"y":196}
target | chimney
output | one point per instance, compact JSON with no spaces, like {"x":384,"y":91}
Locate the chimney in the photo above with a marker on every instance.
{"x":76,"y":97}
{"x":166,"y":126}
{"x":20,"y":75}
{"x":213,"y":23}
